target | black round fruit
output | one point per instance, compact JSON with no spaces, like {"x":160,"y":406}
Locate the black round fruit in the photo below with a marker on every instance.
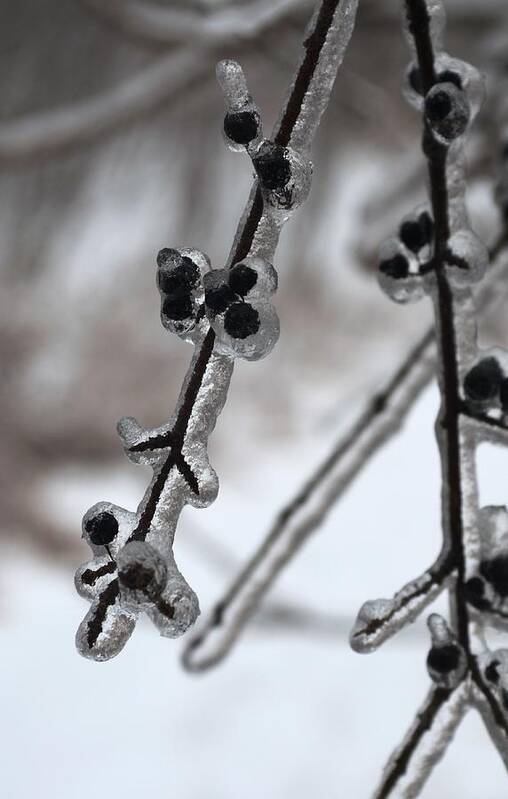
{"x":396,"y":267}
{"x":218,"y":298}
{"x":482,"y":382}
{"x":447,"y":110}
{"x":242,"y":127}
{"x":178,"y":306}
{"x":272,"y":167}
{"x":417,"y":233}
{"x":241,"y":320}
{"x":136,"y":576}
{"x":443,"y":659}
{"x":102,"y":528}
{"x":242,"y":279}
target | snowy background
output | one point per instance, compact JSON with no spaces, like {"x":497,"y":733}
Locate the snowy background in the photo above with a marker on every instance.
{"x":293,"y":711}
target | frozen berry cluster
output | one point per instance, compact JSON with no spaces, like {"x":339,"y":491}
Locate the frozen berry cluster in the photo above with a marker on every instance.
{"x":125,"y":577}
{"x":234,"y":302}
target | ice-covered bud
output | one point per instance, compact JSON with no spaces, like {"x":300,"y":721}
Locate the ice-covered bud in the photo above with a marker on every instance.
{"x":466,"y":258}
{"x":417,"y":230}
{"x":447,"y":111}
{"x":176,"y":609}
{"x":413,"y":83}
{"x":494,"y":667}
{"x":476,"y":593}
{"x":482,"y":382}
{"x":242,"y":123}
{"x":180,"y":282}
{"x":284,"y":175}
{"x":237,"y":303}
{"x":446,"y":661}
{"x":142,"y":572}
{"x":399,"y":275}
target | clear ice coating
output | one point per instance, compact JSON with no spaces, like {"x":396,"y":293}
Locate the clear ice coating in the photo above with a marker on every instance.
{"x":226,"y":314}
{"x":435,"y":252}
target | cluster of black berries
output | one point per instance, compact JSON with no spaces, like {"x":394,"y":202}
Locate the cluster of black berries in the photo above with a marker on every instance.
{"x":179,"y":280}
{"x":225,"y":292}
{"x":486,"y":385}
{"x":237,"y":304}
{"x":446,"y":105}
{"x":404,"y":260}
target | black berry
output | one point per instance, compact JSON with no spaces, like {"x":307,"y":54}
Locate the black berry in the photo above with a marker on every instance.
{"x":241,"y":320}
{"x":136,"y":576}
{"x":168,"y":257}
{"x":102,"y":528}
{"x":492,"y":672}
{"x":184,"y":277}
{"x":242,"y":127}
{"x":242,"y":279}
{"x":178,"y":306}
{"x":218,"y":298}
{"x":272,"y":167}
{"x":481,"y":384}
{"x":474,"y":590}
{"x":416,"y":233}
{"x":443,"y":659}
{"x":495,"y":572}
{"x":396,"y":267}
{"x":447,"y":110}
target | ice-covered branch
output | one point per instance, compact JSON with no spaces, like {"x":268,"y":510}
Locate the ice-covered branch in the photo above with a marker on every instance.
{"x":437,"y":253}
{"x":424,"y":744}
{"x":383,"y":417}
{"x":225,"y":313}
{"x":155,"y":23}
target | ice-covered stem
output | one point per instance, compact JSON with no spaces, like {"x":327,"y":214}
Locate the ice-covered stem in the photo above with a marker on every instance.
{"x":382,"y":418}
{"x":437,"y":253}
{"x":192,"y":306}
{"x":424,"y":744}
